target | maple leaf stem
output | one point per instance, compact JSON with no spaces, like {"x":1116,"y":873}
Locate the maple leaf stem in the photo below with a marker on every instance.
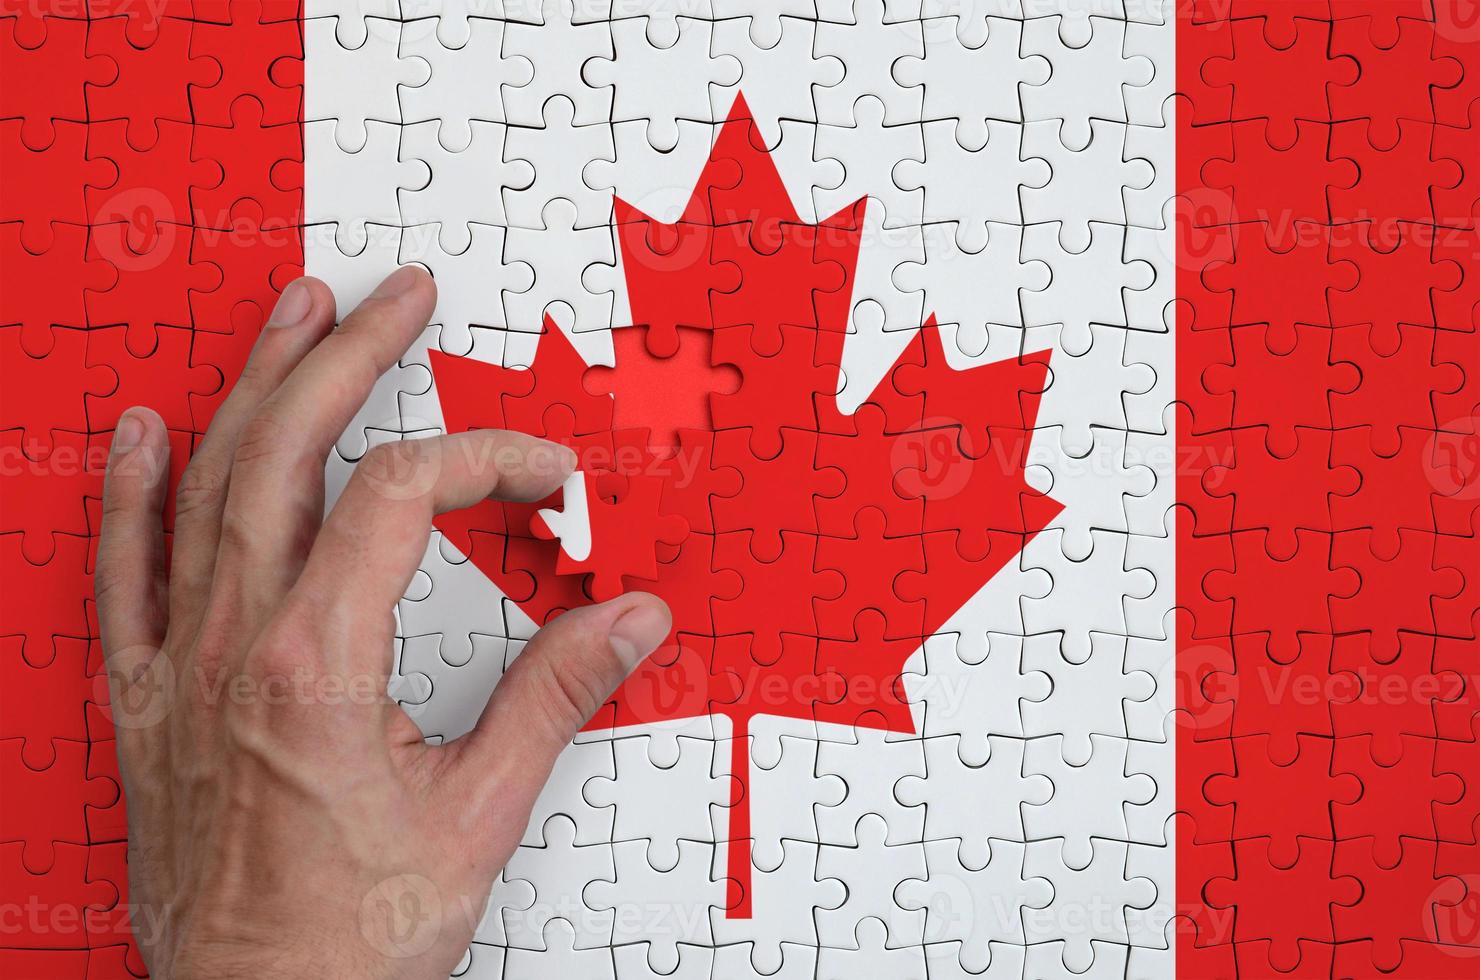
{"x":738,"y":892}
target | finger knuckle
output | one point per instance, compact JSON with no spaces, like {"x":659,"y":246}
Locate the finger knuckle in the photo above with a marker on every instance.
{"x":201,"y":487}
{"x":254,"y":376}
{"x":392,"y":456}
{"x":358,"y":363}
{"x":571,"y":692}
{"x":263,"y":436}
{"x":111,"y":583}
{"x":400,"y":464}
{"x":240,"y":533}
{"x":288,"y":645}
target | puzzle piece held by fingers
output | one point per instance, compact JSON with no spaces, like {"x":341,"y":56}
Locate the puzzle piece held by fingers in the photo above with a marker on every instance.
{"x":607,"y":528}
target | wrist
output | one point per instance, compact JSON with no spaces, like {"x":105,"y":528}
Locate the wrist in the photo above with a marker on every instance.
{"x":281,"y":958}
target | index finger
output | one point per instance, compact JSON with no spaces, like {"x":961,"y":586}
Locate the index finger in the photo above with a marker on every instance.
{"x":274,"y":502}
{"x":375,"y":537}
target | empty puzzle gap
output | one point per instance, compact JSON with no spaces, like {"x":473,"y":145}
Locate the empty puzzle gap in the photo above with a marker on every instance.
{"x":957,"y":380}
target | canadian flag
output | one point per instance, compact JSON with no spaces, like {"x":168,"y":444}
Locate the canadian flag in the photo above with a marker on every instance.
{"x":1052,"y":423}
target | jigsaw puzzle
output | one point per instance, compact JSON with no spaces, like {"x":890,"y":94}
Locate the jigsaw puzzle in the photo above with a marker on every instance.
{"x":1051,"y":423}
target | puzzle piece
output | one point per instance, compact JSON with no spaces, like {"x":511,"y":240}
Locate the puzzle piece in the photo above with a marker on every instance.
{"x":924,"y":357}
{"x":998,"y":881}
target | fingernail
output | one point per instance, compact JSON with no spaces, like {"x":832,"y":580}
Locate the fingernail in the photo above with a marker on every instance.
{"x":397,"y":282}
{"x":128,"y":433}
{"x":566,"y":458}
{"x":292,"y":306}
{"x":638,"y":632}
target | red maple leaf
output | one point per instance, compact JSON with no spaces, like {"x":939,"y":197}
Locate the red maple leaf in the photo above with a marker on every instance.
{"x":800,"y":588}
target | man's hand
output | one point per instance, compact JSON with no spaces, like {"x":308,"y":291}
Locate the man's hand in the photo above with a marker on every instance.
{"x":285,"y":817}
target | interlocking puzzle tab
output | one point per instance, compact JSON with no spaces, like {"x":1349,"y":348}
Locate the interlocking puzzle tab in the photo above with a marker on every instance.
{"x":147,"y":218}
{"x":1051,"y":423}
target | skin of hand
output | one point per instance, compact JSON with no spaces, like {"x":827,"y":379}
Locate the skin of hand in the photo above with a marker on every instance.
{"x":286,"y":818}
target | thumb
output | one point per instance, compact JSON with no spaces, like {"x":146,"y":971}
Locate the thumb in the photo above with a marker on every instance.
{"x":561,"y":679}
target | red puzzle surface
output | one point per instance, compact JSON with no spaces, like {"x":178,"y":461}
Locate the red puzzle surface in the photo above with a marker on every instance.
{"x":1328,"y":422}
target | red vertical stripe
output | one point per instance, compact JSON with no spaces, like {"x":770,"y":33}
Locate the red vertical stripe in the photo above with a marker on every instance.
{"x":149,"y":212}
{"x":1327,"y":366}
